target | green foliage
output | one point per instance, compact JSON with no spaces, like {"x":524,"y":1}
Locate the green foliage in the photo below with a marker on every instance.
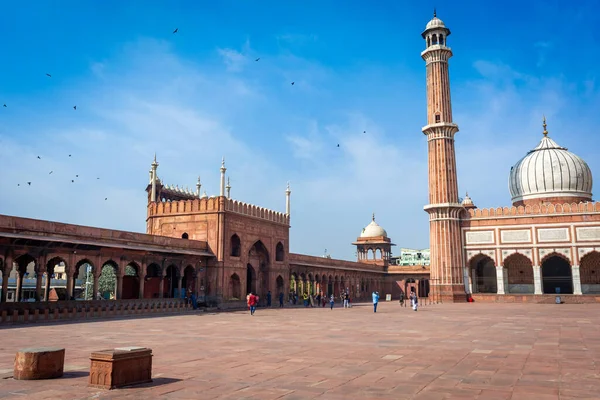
{"x":107,"y":282}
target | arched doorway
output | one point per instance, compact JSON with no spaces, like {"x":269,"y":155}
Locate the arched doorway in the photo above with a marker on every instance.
{"x":250,"y":279}
{"x":171,"y":282}
{"x":589,"y":270}
{"x":259,"y":260}
{"x":188,"y":283}
{"x":485,"y":274}
{"x":236,"y":288}
{"x":280,"y":285}
{"x":556,"y":275}
{"x":131,"y":282}
{"x":519,"y":274}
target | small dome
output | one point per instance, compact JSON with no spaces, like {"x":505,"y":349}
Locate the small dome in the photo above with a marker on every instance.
{"x":550,"y":171}
{"x":204,"y":195}
{"x":467,"y":202}
{"x":373,"y":230}
{"x":435,"y":23}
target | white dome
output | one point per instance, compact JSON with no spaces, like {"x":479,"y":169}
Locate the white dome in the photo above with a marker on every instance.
{"x":467,"y":201}
{"x":435,"y":23}
{"x":550,"y":171}
{"x":373,"y":230}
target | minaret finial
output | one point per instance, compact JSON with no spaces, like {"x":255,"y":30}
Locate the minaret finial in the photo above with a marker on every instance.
{"x":373,"y":216}
{"x":544,"y":125}
{"x":434,"y":13}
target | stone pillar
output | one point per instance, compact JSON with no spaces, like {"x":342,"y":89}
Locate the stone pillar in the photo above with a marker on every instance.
{"x":505,"y":272}
{"x":141,"y":286}
{"x":19,"y":284}
{"x":161,"y":287}
{"x":5,"y":275}
{"x":97,"y":273}
{"x":179,"y":282}
{"x":499,"y":279}
{"x":576,"y":279}
{"x":69,"y":274}
{"x":537,"y":280}
{"x":474,"y":280}
{"x":47,"y":285}
{"x":119,"y":288}
{"x":468,"y":288}
{"x":38,"y":285}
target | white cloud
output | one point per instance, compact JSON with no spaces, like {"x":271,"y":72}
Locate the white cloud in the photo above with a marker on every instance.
{"x":234,"y":60}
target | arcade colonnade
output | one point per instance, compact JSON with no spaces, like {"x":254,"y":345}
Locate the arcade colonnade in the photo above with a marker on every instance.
{"x":132,"y":277}
{"x":518,"y":274}
{"x":328,"y":282}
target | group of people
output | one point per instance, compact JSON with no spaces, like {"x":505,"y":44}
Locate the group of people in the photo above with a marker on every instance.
{"x":321,"y":299}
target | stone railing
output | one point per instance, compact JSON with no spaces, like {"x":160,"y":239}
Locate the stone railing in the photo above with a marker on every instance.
{"x":303,"y":260}
{"x":59,"y":230}
{"x":538,"y":209}
{"x":18,"y":313}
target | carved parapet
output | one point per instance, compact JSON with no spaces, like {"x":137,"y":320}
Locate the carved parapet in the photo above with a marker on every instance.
{"x":255,"y":211}
{"x":534,"y":210}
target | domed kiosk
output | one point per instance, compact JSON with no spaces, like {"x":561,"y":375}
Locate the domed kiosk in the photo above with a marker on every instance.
{"x":550,"y":174}
{"x":373,"y":244}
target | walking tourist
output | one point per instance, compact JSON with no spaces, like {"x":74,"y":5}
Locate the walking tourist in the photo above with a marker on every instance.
{"x":375,"y":301}
{"x":324,"y":299}
{"x":252,"y":301}
{"x":281,"y":300}
{"x":331,"y":301}
{"x":345,"y":298}
{"x":269,"y":298}
{"x":305,"y":299}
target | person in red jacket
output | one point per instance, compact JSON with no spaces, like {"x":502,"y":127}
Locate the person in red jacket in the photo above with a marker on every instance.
{"x":252,"y":302}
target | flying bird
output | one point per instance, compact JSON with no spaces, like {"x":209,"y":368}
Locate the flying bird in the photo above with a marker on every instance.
{"x":176,"y":29}
{"x":4,"y":105}
{"x":97,"y":178}
{"x":76,"y":176}
{"x":72,"y":180}
{"x":364,"y":131}
{"x":293,"y":83}
{"x":106,"y":198}
{"x":39,"y":157}
{"x":51,"y":172}
{"x":257,"y":59}
{"x":69,"y":155}
{"x":49,"y":76}
{"x":74,"y":107}
{"x":18,"y":184}
{"x":29,"y":183}
{"x":338,"y":145}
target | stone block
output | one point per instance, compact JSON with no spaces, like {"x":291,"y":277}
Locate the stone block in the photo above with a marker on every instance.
{"x":39,"y":363}
{"x":125,"y":366}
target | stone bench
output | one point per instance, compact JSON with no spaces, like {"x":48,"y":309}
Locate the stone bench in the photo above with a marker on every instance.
{"x":124,"y":366}
{"x":39,"y":363}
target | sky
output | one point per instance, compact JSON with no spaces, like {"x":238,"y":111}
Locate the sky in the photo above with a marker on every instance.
{"x":198,"y":95}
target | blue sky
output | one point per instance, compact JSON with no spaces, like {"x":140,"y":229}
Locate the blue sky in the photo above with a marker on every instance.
{"x":198,"y":95}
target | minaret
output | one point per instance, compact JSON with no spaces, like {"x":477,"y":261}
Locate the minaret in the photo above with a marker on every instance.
{"x":223,"y":169}
{"x":198,"y":186}
{"x":228,"y":187}
{"x":444,"y":209}
{"x":154,"y":167}
{"x":287,"y":200}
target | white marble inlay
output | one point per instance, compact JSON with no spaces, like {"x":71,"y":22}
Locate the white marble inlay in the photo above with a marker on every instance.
{"x":516,"y":236}
{"x":553,"y":234}
{"x":480,"y":237}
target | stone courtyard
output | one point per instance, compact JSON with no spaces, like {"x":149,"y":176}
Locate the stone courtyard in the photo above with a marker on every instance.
{"x":444,"y":351}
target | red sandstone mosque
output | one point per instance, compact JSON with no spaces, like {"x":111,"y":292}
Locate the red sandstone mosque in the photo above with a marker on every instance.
{"x":548,"y":242}
{"x":220,"y":248}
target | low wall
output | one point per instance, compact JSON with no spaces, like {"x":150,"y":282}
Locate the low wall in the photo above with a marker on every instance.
{"x":19,"y":313}
{"x":534,"y":298}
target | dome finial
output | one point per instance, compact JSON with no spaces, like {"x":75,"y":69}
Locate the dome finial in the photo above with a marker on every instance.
{"x":373,"y":216}
{"x":434,"y":13}
{"x":544,"y":125}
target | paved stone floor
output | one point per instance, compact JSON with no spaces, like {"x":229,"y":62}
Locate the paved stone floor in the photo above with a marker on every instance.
{"x":449,"y":351}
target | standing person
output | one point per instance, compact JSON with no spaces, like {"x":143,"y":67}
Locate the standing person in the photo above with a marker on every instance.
{"x":331,"y":301}
{"x":375,"y":301}
{"x":324,"y":299}
{"x":345,"y":297}
{"x":305,"y":299}
{"x":269,"y":296}
{"x":414,"y":301}
{"x":281,"y":300}
{"x":318,"y":299}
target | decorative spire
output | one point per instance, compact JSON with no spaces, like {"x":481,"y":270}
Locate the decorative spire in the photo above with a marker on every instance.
{"x":434,"y":13}
{"x":373,"y":216}
{"x":198,"y":186}
{"x":223,"y":163}
{"x":288,"y":190}
{"x":544,"y":125}
{"x":223,"y":169}
{"x":228,"y":187}
{"x":287,"y":200}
